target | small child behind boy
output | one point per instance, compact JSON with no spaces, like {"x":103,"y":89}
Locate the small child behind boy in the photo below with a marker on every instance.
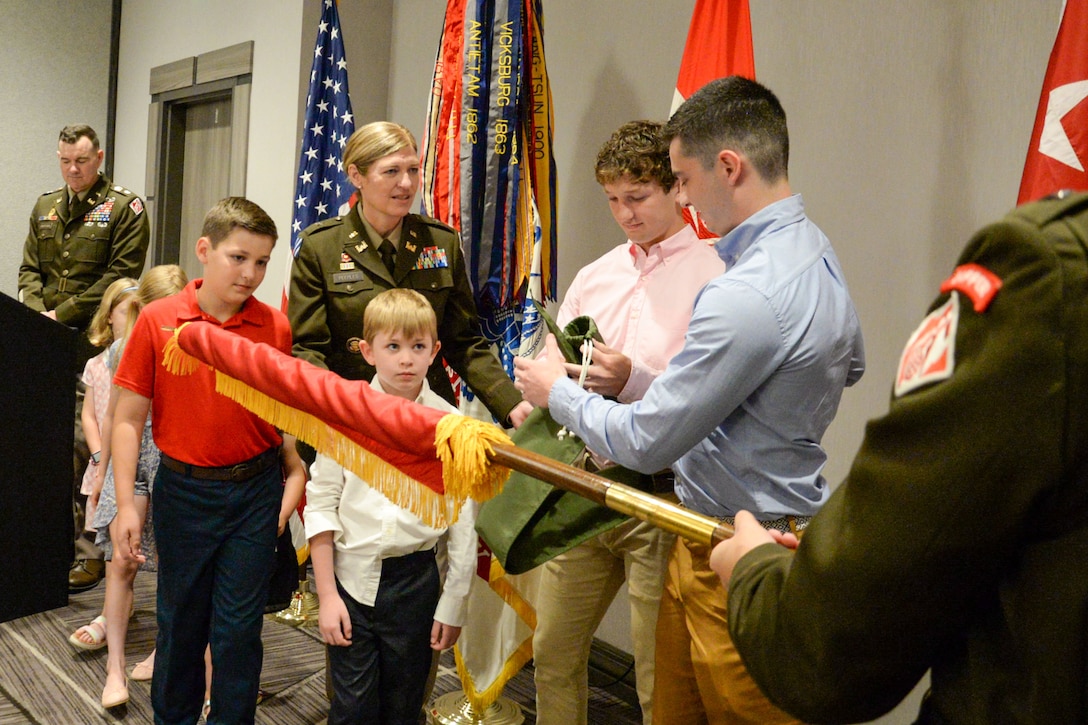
{"x":383,"y":608}
{"x":107,"y":325}
{"x":220,"y":491}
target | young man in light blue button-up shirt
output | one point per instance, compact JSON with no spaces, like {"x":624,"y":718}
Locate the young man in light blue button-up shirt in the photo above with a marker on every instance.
{"x":739,"y":413}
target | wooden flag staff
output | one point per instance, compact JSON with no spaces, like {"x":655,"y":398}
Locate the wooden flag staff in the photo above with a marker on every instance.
{"x":627,"y":500}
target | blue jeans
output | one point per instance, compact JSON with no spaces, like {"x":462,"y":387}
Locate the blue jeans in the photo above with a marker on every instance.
{"x":381,"y":676}
{"x":217,"y":546}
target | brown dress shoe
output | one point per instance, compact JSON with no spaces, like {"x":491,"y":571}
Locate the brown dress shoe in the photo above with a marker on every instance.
{"x":85,"y":574}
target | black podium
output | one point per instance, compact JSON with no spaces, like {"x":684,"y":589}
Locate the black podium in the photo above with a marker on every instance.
{"x":37,"y":417}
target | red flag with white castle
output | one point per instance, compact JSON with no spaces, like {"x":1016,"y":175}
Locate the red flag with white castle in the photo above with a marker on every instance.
{"x":719,"y":44}
{"x":1059,"y":142}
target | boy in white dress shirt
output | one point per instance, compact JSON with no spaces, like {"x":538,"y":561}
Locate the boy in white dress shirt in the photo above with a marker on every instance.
{"x":383,"y":608}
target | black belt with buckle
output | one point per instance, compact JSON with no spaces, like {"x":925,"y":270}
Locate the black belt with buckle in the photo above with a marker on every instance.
{"x":237,"y":473}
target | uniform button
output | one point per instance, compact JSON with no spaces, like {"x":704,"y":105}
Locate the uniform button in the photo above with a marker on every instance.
{"x":351,"y":288}
{"x":65,"y":254}
{"x":67,"y":236}
{"x":64,"y":273}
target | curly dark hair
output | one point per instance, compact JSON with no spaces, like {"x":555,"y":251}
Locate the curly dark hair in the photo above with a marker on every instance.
{"x":637,"y":150}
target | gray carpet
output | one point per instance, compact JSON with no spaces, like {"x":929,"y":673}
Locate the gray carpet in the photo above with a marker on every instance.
{"x":44,"y":680}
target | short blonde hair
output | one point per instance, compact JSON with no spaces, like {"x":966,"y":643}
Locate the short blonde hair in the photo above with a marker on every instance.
{"x":100,"y":331}
{"x":376,"y":141}
{"x":399,"y":310}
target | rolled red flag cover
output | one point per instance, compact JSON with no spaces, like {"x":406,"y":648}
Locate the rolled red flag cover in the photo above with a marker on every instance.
{"x":420,"y":458}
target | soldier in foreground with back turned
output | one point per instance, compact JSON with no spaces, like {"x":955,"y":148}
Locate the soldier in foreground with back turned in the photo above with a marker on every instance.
{"x":959,"y":541}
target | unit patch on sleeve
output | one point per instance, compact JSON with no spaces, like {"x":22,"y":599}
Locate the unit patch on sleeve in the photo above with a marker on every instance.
{"x":136,"y":206}
{"x":930,"y":354}
{"x":975,"y":281}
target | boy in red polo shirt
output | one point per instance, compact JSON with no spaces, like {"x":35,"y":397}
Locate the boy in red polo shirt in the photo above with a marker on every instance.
{"x":220,"y":485}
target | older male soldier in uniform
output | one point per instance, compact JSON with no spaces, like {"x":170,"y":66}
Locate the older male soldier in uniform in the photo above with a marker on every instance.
{"x":83,"y":236}
{"x":959,"y":541}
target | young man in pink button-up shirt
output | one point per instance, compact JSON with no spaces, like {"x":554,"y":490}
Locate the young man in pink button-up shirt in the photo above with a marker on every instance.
{"x":640,"y":294}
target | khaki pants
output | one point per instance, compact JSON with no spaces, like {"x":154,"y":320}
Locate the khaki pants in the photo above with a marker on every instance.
{"x":702,"y":678}
{"x":576,"y":589}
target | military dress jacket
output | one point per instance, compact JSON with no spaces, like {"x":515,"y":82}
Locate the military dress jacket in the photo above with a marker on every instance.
{"x":338,"y":270}
{"x":72,"y":255}
{"x":959,"y":541}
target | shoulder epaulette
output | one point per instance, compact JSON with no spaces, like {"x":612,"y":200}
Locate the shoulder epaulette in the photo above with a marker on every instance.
{"x":1052,"y":208}
{"x":54,"y":191}
{"x":431,"y":222}
{"x":324,"y":224}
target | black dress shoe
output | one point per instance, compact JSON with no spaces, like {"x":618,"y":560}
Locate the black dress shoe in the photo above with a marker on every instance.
{"x":85,"y":574}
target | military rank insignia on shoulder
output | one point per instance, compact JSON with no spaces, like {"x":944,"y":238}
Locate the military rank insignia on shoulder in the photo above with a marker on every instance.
{"x":930,"y":353}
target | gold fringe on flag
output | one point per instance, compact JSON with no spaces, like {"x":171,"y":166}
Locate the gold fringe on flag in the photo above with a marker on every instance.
{"x":385,"y":478}
{"x":483,"y":699}
{"x":176,"y":360}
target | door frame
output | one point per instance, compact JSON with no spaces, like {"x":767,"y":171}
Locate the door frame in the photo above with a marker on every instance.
{"x":224,"y":73}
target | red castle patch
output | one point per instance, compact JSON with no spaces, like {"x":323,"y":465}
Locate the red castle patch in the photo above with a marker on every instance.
{"x":930,"y":354}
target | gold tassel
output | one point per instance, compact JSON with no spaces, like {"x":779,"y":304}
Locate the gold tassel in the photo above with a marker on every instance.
{"x":176,"y":360}
{"x":463,"y":446}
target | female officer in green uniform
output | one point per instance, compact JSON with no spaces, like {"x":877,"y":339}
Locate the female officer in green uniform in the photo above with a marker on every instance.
{"x":344,"y":262}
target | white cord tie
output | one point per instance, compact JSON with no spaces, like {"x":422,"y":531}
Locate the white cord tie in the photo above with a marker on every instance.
{"x":587,"y":360}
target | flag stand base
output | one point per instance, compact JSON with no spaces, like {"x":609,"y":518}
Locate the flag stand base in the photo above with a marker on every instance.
{"x":453,"y":708}
{"x":304,"y":607}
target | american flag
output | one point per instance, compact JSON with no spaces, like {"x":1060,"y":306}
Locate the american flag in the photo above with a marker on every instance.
{"x":322,"y":189}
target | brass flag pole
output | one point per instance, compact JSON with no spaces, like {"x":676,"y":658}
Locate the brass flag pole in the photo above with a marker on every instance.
{"x":627,"y":500}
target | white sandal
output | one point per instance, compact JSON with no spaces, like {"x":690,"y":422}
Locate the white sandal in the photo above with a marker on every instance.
{"x":96,"y":630}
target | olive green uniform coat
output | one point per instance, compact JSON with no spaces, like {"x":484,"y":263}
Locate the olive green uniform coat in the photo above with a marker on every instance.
{"x":338,"y":270}
{"x":72,"y":255}
{"x":959,"y":541}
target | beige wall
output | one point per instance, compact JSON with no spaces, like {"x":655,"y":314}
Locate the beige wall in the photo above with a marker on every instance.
{"x":44,"y":91}
{"x":155,"y":33}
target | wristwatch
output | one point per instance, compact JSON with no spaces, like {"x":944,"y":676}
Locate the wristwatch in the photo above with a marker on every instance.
{"x":96,"y":457}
